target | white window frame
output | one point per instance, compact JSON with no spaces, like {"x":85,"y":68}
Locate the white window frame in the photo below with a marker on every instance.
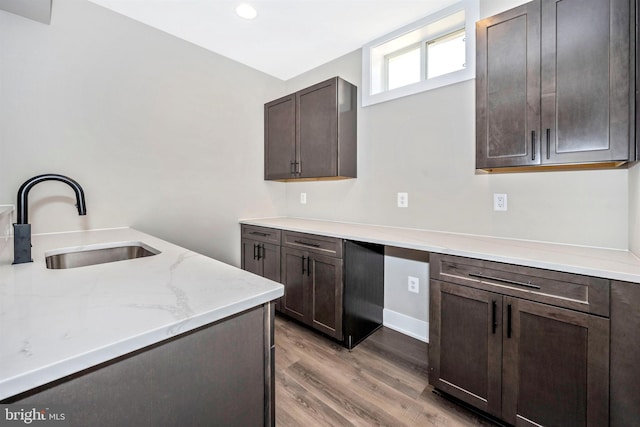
{"x":374,"y":79}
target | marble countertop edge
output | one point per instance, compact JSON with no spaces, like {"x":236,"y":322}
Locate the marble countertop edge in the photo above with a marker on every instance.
{"x":614,"y":264}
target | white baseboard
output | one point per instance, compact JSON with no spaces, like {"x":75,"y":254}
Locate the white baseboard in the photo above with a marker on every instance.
{"x":402,"y":323}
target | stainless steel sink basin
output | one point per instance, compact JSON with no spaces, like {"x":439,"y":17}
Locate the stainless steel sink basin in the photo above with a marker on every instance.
{"x":98,"y":254}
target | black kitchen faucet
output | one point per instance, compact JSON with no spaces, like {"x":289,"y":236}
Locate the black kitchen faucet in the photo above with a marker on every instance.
{"x":22,"y":228}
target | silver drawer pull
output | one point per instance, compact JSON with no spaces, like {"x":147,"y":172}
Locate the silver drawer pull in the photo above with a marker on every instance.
{"x":511,"y":282}
{"x":300,"y":242}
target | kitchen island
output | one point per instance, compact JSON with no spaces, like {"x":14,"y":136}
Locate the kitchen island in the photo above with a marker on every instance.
{"x":176,"y":334}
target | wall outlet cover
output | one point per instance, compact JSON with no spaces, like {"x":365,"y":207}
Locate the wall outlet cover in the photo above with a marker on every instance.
{"x":499,"y":202}
{"x":303,"y":198}
{"x":403,"y":200}
{"x":413,"y":284}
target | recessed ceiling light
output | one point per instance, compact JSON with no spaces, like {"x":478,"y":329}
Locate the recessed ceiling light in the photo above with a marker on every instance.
{"x":246,"y":11}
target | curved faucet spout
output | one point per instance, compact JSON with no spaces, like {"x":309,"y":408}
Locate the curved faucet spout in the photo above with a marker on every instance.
{"x":23,"y":194}
{"x":22,"y":228}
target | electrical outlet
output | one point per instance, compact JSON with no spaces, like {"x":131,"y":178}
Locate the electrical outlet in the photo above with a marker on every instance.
{"x":499,"y":202}
{"x":303,"y":198}
{"x":403,"y":200}
{"x":414,"y":284}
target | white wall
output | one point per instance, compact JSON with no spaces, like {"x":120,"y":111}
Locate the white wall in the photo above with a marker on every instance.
{"x":163,"y":135}
{"x":403,"y":311}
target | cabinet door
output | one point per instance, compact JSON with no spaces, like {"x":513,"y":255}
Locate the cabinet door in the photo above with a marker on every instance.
{"x":325,"y":284}
{"x":280,"y":138}
{"x":317,"y":126}
{"x":262,"y":259}
{"x":294,"y":268}
{"x":465,"y":349}
{"x":250,"y":261}
{"x":270,"y":259}
{"x":556,"y":366}
{"x":625,"y":348}
{"x":508,"y":88}
{"x":585,"y":80}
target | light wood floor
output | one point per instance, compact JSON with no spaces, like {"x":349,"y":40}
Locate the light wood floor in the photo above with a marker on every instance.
{"x":381,"y":382}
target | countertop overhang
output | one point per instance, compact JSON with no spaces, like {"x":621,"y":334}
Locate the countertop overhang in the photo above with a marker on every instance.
{"x":54,"y":323}
{"x":597,"y":262}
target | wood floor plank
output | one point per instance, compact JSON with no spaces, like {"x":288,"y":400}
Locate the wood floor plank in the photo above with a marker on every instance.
{"x":382,"y":382}
{"x":385,"y":343}
{"x":410,"y":382}
{"x":301,"y":404}
{"x":341,"y":394}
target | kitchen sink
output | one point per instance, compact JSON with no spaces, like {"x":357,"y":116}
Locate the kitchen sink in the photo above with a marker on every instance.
{"x":97,"y":254}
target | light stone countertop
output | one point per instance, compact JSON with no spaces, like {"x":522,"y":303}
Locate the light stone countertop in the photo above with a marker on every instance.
{"x":606,"y":263}
{"x":57,"y":322}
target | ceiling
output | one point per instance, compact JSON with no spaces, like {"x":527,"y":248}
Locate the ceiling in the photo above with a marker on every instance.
{"x":288,"y":37}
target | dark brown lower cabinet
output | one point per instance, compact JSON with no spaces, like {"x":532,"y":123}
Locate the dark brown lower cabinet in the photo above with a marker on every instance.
{"x":262,"y":259}
{"x":221,"y":374}
{"x":333,"y":285}
{"x":465,"y":348}
{"x":526,"y":362}
{"x":261,"y":253}
{"x":625,"y":354}
{"x":313,"y":289}
{"x":555,"y":366}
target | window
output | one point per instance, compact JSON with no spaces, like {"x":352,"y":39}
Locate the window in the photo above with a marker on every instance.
{"x":436,"y":51}
{"x":446,"y":54}
{"x":403,"y":68}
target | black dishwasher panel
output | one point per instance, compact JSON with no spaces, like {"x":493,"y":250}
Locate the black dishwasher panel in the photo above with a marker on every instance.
{"x":363,"y":290}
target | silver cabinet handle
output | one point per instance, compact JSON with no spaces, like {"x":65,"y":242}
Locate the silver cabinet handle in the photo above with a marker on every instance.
{"x":300,"y":242}
{"x":511,"y":282}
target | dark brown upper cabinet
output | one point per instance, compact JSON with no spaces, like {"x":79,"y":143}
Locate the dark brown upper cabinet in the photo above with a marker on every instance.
{"x":554,"y":85}
{"x":311,"y":134}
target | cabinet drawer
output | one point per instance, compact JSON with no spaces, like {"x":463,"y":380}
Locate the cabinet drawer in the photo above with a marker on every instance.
{"x":324,"y":245}
{"x":573,"y":291}
{"x":261,"y":234}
